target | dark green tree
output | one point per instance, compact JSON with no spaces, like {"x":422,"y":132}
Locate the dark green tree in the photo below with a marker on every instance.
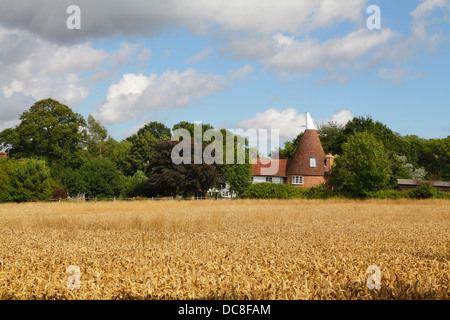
{"x":435,"y":158}
{"x":100,"y":178}
{"x":169,"y":179}
{"x":141,"y":151}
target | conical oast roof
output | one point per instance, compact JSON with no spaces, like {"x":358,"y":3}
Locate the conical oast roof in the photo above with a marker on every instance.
{"x":309,"y":147}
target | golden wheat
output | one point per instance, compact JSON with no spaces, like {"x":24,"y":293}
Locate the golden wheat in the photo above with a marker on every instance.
{"x":252,"y":249}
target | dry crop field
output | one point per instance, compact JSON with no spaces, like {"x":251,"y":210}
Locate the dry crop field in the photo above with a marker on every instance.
{"x":244,"y":249}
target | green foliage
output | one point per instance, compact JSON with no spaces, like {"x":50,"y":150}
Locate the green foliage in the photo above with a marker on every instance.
{"x":189,"y":126}
{"x":136,"y":185}
{"x":118,"y":153}
{"x":8,"y":170}
{"x":238,"y":177}
{"x":49,"y":130}
{"x":156,"y":129}
{"x":388,"y":194}
{"x":424,"y":191}
{"x":390,"y":140}
{"x":267,"y":190}
{"x":332,"y":137}
{"x":96,"y":139}
{"x":29,"y":180}
{"x":435,"y":158}
{"x":363,"y":167}
{"x":141,"y":151}
{"x":100,"y":178}
{"x":319,"y":192}
{"x":142,"y":147}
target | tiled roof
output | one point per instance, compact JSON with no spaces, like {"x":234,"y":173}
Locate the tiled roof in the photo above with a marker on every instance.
{"x":257,"y":166}
{"x":308,"y":147}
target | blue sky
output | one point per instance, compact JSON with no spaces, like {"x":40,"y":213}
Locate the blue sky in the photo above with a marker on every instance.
{"x":233,"y":64}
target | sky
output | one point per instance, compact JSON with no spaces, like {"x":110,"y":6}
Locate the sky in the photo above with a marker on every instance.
{"x":254,"y":64}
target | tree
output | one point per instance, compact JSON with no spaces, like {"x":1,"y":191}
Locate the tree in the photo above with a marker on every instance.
{"x":157,"y":129}
{"x":96,"y":138}
{"x":362,"y":167}
{"x":101,"y":178}
{"x":436,"y":158}
{"x":26,"y":181}
{"x":7,"y":171}
{"x":141,"y":151}
{"x":142,"y":146}
{"x":189,"y":126}
{"x":169,"y":179}
{"x":136,"y":185}
{"x":392,"y":141}
{"x":401,"y":169}
{"x":332,"y":137}
{"x":238,"y":177}
{"x":49,"y":130}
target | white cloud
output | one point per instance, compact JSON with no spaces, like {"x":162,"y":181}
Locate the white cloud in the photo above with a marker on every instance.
{"x":137,"y":93}
{"x":291,"y":57}
{"x":126,"y":50}
{"x":289,"y":121}
{"x":12,"y":107}
{"x":37,"y":68}
{"x":200,"y":56}
{"x":241,"y":73}
{"x":341,"y":117}
{"x":135,"y":129}
{"x":103,"y":18}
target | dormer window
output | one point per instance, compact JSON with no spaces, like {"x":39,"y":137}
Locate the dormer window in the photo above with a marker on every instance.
{"x":312,"y":162}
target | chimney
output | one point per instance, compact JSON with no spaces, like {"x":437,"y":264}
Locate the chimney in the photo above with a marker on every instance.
{"x":3,"y":155}
{"x":329,"y":160}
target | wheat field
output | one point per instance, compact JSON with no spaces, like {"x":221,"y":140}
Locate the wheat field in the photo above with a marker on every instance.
{"x":243,"y":249}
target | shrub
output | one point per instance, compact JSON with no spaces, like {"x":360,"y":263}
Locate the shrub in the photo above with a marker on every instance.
{"x":136,"y":185}
{"x":319,"y":192}
{"x":29,"y":180}
{"x":269,"y":190}
{"x":59,"y":193}
{"x":101,"y":178}
{"x":388,"y":194}
{"x":424,"y":191}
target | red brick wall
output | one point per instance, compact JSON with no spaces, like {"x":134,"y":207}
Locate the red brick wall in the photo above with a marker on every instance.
{"x":308,"y":181}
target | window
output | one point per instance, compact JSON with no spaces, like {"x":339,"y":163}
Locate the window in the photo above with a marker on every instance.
{"x":268,"y":179}
{"x":225,"y":194}
{"x":312,"y":162}
{"x":297,"y":179}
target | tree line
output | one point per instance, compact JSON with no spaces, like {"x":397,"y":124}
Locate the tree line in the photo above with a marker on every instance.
{"x":55,"y":152}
